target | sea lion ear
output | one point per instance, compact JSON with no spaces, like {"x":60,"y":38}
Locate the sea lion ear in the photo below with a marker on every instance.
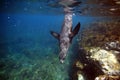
{"x":56,"y":35}
{"x":75,"y":31}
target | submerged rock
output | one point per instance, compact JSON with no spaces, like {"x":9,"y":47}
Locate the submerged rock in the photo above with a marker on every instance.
{"x":106,"y":61}
{"x":107,"y":77}
{"x":80,"y":77}
{"x":100,"y":52}
{"x":99,"y":62}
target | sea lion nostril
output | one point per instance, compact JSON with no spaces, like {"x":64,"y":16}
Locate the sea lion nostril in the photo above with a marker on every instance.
{"x":63,"y":58}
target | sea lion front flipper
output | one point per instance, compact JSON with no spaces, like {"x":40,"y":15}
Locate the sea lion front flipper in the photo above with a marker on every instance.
{"x":56,"y":35}
{"x":75,"y":31}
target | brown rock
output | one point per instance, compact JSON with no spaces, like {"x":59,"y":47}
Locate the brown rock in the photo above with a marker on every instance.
{"x":106,"y":77}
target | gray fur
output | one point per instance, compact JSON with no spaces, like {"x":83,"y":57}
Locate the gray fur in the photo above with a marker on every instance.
{"x":65,"y":36}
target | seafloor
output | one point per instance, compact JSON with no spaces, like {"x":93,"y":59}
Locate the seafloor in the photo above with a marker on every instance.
{"x":30,"y":65}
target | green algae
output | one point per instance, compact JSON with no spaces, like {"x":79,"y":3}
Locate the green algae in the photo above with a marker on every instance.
{"x":30,"y":65}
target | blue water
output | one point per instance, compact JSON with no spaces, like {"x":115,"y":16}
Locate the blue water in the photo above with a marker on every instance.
{"x":18,"y":29}
{"x":34,"y":27}
{"x":26,"y":41}
{"x":27,"y":50}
